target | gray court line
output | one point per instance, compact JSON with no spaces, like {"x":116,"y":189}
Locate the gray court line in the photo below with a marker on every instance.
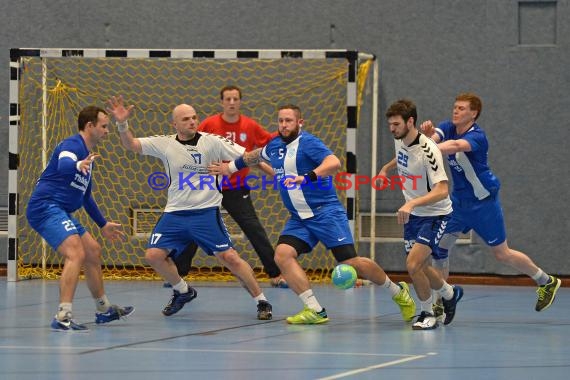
{"x":163,"y":349}
{"x":175,"y":337}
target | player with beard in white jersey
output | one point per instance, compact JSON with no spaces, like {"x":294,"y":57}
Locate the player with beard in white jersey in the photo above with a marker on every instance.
{"x":425,"y":213}
{"x":192,"y":213}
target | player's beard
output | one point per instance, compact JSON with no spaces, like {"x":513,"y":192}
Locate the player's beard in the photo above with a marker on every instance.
{"x":402,"y":135}
{"x":291,"y":137}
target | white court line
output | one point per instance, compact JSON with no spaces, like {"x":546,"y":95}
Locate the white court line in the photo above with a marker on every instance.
{"x":366,"y":369}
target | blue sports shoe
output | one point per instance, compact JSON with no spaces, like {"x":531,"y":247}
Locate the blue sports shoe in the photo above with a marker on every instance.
{"x":449,"y":305}
{"x":178,"y":301}
{"x":114,"y":313}
{"x":67,"y":324}
{"x":279,"y":282}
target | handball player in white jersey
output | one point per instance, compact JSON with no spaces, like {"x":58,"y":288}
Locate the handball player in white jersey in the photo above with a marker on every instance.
{"x":192,"y":212}
{"x":426,"y":212}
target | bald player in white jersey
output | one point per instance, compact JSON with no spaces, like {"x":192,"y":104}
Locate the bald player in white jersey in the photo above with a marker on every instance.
{"x":192,"y":212}
{"x":426,"y":212}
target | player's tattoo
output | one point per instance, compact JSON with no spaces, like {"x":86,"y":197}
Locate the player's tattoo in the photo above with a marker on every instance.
{"x":253,"y":157}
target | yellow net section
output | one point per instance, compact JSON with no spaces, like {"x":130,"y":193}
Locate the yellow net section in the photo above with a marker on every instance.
{"x":50,"y":104}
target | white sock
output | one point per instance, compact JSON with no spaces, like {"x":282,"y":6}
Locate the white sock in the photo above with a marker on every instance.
{"x":436,"y":296}
{"x":310,"y":300}
{"x":260,"y":297}
{"x":541,"y":277}
{"x":102,"y":303}
{"x":427,"y":305}
{"x":181,"y":287}
{"x":392,"y":287}
{"x":446,"y":291}
{"x":63,"y":310}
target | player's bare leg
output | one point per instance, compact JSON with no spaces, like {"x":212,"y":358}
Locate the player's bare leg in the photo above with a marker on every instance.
{"x":242,"y":270}
{"x":182,"y":293}
{"x":313,"y":313}
{"x":74,"y":254}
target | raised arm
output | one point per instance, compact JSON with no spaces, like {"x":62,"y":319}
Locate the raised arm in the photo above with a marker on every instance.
{"x":116,"y":107}
{"x":428,"y":129}
{"x":454,"y":146}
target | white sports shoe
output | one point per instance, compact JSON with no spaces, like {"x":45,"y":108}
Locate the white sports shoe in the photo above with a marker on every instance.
{"x":426,"y":321}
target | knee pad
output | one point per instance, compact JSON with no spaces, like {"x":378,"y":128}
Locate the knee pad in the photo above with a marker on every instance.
{"x":447,"y":241}
{"x":440,"y":263}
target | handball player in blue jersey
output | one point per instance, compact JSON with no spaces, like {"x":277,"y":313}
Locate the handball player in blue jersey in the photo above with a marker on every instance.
{"x":303,"y":168}
{"x":475,"y":194}
{"x":65,"y":186}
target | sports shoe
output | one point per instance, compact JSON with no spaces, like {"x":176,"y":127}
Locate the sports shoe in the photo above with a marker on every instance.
{"x":279,"y":282}
{"x":67,"y":324}
{"x":547,"y":293}
{"x":449,"y":305}
{"x":114,"y":313}
{"x":178,"y":301}
{"x":426,"y":321}
{"x":438,"y":311}
{"x":264,"y":311}
{"x":405,"y":302}
{"x":308,"y":316}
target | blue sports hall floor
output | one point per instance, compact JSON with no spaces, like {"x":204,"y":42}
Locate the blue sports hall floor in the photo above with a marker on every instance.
{"x":496,"y":335}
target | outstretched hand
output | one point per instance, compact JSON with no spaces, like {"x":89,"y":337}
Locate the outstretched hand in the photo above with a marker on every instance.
{"x":290,"y":181}
{"x":116,"y":107}
{"x":219,"y":168}
{"x":112,"y":231}
{"x":404,"y":213}
{"x":427,"y":128}
{"x":382,"y":180}
{"x":85,"y":164}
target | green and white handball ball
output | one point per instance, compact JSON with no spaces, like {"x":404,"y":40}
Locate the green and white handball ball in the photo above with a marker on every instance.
{"x":344,"y":276}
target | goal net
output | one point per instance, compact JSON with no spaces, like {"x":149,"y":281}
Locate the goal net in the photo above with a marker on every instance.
{"x":50,"y":87}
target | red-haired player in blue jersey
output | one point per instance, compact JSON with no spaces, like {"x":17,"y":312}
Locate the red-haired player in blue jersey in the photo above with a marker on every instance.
{"x":475,"y":194}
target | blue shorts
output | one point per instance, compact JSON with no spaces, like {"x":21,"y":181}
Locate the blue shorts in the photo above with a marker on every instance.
{"x":205,"y":227}
{"x":485,"y":217}
{"x":426,"y":230}
{"x":329,"y":226}
{"x":53,"y":223}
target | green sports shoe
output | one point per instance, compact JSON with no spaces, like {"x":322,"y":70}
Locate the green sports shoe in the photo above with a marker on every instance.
{"x":308,"y":316}
{"x":438,"y":311}
{"x":547,"y":293}
{"x":405,"y":302}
